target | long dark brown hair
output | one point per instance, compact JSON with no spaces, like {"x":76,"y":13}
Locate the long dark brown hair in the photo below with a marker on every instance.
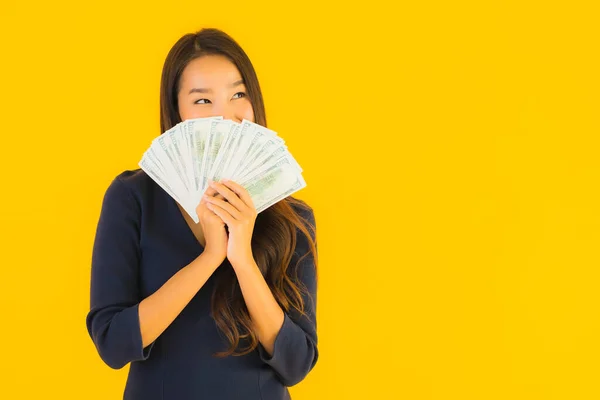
{"x":275,"y":230}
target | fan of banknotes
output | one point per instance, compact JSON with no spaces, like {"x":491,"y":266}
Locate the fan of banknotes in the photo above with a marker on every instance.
{"x":183,"y":159}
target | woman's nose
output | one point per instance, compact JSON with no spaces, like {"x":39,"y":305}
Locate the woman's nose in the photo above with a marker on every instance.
{"x":226,"y":112}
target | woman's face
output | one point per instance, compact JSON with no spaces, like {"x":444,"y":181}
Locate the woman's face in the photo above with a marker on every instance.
{"x":212,"y":86}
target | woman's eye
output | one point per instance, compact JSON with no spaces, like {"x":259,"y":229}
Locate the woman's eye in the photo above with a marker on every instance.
{"x":206,"y":101}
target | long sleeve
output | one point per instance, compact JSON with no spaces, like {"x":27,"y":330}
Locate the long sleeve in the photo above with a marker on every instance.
{"x":295,"y":350}
{"x":113,"y":320}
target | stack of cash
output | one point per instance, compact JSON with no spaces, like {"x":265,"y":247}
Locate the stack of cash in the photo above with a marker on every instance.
{"x":183,"y":159}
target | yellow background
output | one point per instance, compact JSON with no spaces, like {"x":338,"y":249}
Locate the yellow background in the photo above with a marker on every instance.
{"x":451,"y":155}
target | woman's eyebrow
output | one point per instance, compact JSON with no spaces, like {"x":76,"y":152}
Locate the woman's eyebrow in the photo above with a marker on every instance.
{"x":202,"y":90}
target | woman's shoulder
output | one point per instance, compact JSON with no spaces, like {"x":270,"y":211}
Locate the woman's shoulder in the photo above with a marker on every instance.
{"x":136,"y":180}
{"x":306,"y":214}
{"x":302,"y":208}
{"x":132,"y":184}
{"x":132,"y":177}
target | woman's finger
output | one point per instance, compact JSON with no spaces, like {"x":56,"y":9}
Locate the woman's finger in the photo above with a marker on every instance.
{"x":224,"y":205}
{"x":229,"y":195}
{"x":225,"y":216}
{"x":240,"y":191}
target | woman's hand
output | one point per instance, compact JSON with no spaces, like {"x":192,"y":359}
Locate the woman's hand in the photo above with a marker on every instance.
{"x":238,"y":212}
{"x":213,"y":227}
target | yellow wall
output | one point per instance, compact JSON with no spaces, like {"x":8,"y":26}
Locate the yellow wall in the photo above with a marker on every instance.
{"x":451,"y":154}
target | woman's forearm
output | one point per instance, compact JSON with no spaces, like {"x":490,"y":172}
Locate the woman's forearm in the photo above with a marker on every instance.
{"x":265,"y":313}
{"x":157,"y":311}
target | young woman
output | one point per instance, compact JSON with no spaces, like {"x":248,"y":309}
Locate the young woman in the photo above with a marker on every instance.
{"x":201,"y":311}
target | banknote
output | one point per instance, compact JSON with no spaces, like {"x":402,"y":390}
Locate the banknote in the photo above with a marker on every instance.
{"x":219,"y":130}
{"x":198,"y":131}
{"x":261,"y":137}
{"x":225,"y":155}
{"x":274,"y":182}
{"x":184,"y":158}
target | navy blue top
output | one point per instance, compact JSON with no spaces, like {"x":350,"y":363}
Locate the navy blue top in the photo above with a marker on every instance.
{"x":142,"y":240}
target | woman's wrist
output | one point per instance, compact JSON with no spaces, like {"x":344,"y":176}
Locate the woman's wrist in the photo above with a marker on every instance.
{"x":210,"y":259}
